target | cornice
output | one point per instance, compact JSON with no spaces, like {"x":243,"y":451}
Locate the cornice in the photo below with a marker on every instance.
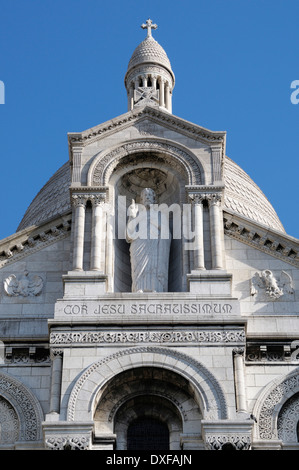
{"x":81,"y":139}
{"x":276,"y":244}
{"x":33,"y":239}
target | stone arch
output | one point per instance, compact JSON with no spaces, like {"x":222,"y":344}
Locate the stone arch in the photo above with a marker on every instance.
{"x":84,"y":394}
{"x":288,"y":421}
{"x":147,"y":393}
{"x":270,"y":403}
{"x":9,"y":424}
{"x":177,"y":157}
{"x":154,"y":408}
{"x":26,"y":407}
{"x":119,"y":169}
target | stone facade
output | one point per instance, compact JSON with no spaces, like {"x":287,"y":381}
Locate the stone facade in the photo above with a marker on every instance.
{"x":214,"y":357}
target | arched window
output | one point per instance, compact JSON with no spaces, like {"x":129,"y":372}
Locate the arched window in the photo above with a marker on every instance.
{"x":147,"y":433}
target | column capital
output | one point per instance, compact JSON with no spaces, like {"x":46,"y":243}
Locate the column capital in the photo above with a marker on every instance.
{"x":196,"y":198}
{"x":79,"y":200}
{"x":97,"y":199}
{"x":238,"y":351}
{"x":214,"y":199}
{"x":56,"y":353}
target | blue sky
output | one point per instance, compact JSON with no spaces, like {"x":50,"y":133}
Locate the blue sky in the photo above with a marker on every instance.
{"x":63,"y":64}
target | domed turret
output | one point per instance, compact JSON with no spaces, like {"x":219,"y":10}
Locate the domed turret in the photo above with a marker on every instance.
{"x":149,"y":79}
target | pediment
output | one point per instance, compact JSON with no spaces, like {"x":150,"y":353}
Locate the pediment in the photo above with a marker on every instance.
{"x":145,"y":120}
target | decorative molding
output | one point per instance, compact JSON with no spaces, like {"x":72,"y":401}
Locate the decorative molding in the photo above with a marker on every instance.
{"x":9,"y":423}
{"x":229,"y":441}
{"x":158,"y":336}
{"x":25,"y":405}
{"x":173,"y":155}
{"x":271,"y":402}
{"x":263,"y":239}
{"x":34,"y":240}
{"x":67,"y":442}
{"x":287,"y":422}
{"x":180,"y":125}
{"x":274,"y":352}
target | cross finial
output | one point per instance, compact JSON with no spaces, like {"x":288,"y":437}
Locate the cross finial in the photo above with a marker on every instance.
{"x":149,"y":26}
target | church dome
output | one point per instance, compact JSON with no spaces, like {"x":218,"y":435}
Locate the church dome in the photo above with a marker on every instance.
{"x":51,"y":201}
{"x":242,"y":197}
{"x":149,"y":51}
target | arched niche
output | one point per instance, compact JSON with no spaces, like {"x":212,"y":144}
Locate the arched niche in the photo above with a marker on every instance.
{"x":164,"y":166}
{"x":133,"y":174}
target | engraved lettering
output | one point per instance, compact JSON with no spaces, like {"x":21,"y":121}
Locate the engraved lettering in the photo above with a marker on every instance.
{"x":134,"y":309}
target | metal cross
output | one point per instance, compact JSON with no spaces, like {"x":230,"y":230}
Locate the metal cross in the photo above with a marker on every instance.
{"x":149,"y":26}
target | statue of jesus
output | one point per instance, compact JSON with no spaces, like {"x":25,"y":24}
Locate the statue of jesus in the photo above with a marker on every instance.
{"x":149,"y":251}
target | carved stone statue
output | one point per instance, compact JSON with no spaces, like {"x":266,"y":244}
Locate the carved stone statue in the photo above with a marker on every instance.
{"x":149,"y":237}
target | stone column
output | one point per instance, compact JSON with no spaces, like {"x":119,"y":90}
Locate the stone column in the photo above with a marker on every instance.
{"x":56,"y":356}
{"x":131,"y":97}
{"x":240,"y":380}
{"x":97,"y":202}
{"x":161,"y":93}
{"x":167,"y":97}
{"x":199,"y":258}
{"x":79,"y":201}
{"x":216,"y":228}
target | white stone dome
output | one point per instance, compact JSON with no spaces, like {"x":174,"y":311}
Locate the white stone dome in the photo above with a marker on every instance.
{"x":242,"y":197}
{"x":149,"y":51}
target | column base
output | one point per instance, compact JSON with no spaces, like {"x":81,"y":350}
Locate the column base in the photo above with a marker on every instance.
{"x":84,"y":284}
{"x":214,"y":282}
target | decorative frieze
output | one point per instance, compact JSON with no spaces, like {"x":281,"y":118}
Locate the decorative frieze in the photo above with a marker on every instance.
{"x":27,"y":355}
{"x":258,"y":352}
{"x":67,"y":443}
{"x":177,"y":337}
{"x":231,"y":435}
{"x":228,"y":442}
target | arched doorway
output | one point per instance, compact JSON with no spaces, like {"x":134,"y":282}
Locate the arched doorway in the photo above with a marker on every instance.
{"x":145,"y":409}
{"x":147,"y":433}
